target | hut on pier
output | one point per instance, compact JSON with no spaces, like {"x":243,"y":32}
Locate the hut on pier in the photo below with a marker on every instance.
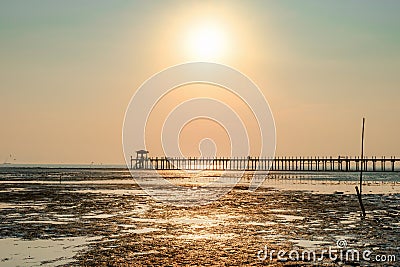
{"x":141,"y":159}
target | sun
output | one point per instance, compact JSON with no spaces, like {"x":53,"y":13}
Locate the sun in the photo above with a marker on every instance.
{"x":206,"y":41}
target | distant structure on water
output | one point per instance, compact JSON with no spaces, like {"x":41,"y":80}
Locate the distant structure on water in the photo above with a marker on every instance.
{"x":6,"y":162}
{"x":327,"y":164}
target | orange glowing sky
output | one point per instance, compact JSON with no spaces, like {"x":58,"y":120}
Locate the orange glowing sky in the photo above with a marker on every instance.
{"x":68,"y":71}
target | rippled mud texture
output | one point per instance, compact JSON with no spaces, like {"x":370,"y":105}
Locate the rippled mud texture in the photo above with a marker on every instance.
{"x":127,"y":228}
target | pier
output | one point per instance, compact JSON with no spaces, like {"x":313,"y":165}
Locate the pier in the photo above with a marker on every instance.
{"x":322,"y":164}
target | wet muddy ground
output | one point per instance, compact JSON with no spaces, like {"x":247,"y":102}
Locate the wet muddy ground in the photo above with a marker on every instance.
{"x":118,"y":224}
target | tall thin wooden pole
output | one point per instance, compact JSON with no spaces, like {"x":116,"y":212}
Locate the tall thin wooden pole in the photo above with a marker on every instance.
{"x":362,"y":154}
{"x":361,"y":171}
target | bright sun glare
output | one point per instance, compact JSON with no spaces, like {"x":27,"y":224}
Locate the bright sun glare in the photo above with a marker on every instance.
{"x":206,"y":42}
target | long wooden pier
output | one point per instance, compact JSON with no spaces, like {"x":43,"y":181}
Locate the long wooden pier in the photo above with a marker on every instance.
{"x":324,"y":164}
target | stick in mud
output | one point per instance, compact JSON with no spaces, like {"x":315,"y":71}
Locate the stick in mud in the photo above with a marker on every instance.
{"x":362,"y":154}
{"x":361,"y":170}
{"x":361,"y":203}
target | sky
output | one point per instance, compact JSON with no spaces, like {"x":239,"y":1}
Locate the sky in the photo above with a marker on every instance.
{"x":68,"y":70}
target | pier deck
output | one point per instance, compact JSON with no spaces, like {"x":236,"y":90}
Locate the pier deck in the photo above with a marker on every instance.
{"x":346,"y":164}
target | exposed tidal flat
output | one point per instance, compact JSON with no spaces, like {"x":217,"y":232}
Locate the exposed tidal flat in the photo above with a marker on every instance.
{"x":101,"y":217}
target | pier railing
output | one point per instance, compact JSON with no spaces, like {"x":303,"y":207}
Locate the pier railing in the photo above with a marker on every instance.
{"x":344,"y":164}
